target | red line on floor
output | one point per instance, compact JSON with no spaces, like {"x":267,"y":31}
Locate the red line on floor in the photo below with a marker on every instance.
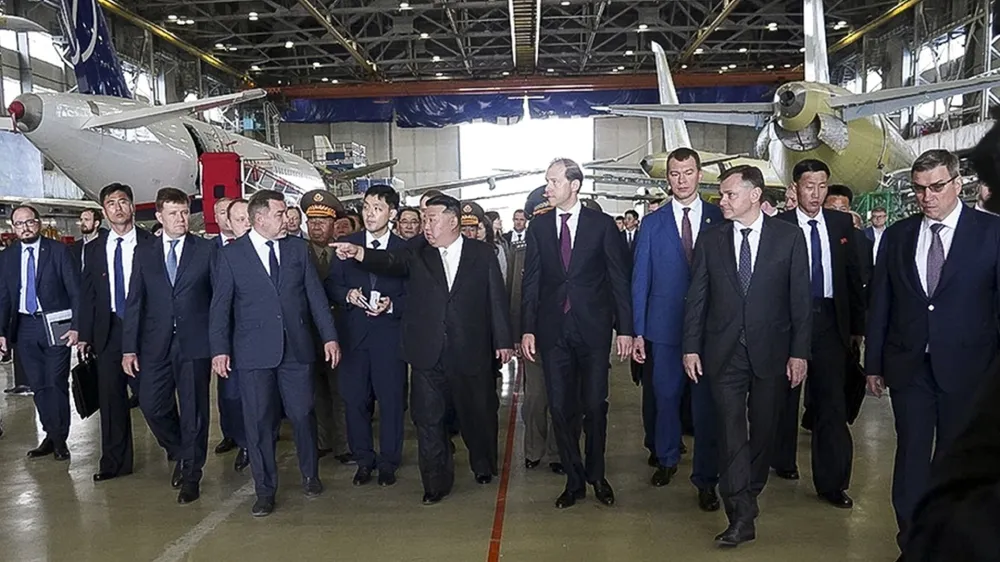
{"x":501,"y":506}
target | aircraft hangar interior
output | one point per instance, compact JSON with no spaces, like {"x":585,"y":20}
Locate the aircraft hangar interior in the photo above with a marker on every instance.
{"x":324,"y":100}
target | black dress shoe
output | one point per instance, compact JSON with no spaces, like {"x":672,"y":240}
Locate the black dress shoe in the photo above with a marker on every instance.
{"x":386,"y":477}
{"x":242,"y":460}
{"x":312,"y":487}
{"x":569,"y":497}
{"x":557,"y":467}
{"x":708,"y":500}
{"x":175,"y":477}
{"x":735,"y":535}
{"x":133,"y":402}
{"x":190,"y":492}
{"x":225,"y":446}
{"x":653,"y":461}
{"x":528,"y":463}
{"x":45,"y":449}
{"x":431,"y":498}
{"x":345,"y":458}
{"x":61,"y":451}
{"x":362,"y":476}
{"x":102,"y":476}
{"x":484,"y":478}
{"x":262,"y":507}
{"x":787,"y":474}
{"x":838,"y":499}
{"x":663,"y":475}
{"x":604,"y":493}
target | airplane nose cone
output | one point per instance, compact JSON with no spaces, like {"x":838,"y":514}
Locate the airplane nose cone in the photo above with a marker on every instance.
{"x":26,"y":110}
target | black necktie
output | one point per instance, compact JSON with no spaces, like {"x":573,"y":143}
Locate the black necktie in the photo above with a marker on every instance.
{"x":371,"y":276}
{"x":273,"y":261}
{"x":816,"y":269}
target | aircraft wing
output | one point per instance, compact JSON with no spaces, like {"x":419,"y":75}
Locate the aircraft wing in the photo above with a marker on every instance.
{"x":357,"y":172}
{"x":857,"y":106}
{"x":141,"y":117}
{"x":14,"y":23}
{"x":74,"y":204}
{"x":746,"y":114}
{"x":455,"y":184}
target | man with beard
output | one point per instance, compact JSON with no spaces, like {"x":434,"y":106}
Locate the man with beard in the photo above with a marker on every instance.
{"x":106,"y":272}
{"x":372,"y":366}
{"x":38,"y":276}
{"x":90,"y":227}
{"x":321,"y":208}
{"x":447,"y":342}
{"x":166,"y":327}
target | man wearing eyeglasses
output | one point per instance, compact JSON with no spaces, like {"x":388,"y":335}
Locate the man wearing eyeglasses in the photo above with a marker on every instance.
{"x":39,"y":277}
{"x":932,"y":327}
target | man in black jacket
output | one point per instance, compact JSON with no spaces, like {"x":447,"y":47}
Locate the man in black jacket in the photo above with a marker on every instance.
{"x":446,"y":340}
{"x":746,"y":330}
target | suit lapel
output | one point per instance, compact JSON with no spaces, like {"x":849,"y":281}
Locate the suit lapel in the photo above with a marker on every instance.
{"x":765,"y":249}
{"x":187,"y":256}
{"x":43,"y":260}
{"x":672,"y":233}
{"x":250,"y":253}
{"x":910,"y":260}
{"x":963,"y":239}
{"x":432,"y":258}
{"x":727,"y":251}
{"x":465,"y":262}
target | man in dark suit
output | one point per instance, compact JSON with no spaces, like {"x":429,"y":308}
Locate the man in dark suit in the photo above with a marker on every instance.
{"x":877,"y":229}
{"x":263,"y":294}
{"x":321,"y":209}
{"x":104,"y":290}
{"x":838,"y":319}
{"x":631,"y":231}
{"x":372,"y":366}
{"x":932,"y":328}
{"x":575,"y":290}
{"x":660,"y":275}
{"x":450,"y":337}
{"x":746,"y":333}
{"x":90,"y":229}
{"x":38,"y":276}
{"x":166,"y":327}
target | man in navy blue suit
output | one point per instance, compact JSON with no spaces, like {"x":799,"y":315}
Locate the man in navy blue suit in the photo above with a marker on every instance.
{"x":37,"y":276}
{"x":264,"y":294}
{"x":166,"y":327}
{"x":932,"y":326}
{"x":372,"y":364}
{"x":660,"y":277}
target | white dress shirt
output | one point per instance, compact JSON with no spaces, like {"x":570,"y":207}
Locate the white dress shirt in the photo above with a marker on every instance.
{"x":263,"y":250}
{"x":128,"y":249}
{"x":574,"y":219}
{"x":877,"y":232}
{"x":753,"y":238}
{"x":177,"y":250}
{"x":22,"y":303}
{"x":947,"y":233}
{"x":824,"y":243}
{"x":694,"y":216}
{"x":383,"y":241}
{"x":517,"y":237}
{"x":451,"y":256}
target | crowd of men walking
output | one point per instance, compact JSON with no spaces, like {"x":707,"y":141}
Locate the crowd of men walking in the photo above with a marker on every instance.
{"x":735,"y":306}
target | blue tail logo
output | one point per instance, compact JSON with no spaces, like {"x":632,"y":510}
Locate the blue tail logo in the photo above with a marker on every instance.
{"x":90,"y":50}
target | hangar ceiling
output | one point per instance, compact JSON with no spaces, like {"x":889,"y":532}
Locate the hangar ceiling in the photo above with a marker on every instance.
{"x":312,"y":41}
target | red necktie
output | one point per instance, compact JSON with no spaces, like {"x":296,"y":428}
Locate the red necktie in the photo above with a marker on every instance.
{"x":227,"y":241}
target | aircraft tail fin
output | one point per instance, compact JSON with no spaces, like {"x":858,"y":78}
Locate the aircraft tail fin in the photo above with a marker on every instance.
{"x":675,"y":131}
{"x":817,"y":67}
{"x":90,"y":50}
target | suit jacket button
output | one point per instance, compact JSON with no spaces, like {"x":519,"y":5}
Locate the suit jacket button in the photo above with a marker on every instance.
{"x":930,"y":307}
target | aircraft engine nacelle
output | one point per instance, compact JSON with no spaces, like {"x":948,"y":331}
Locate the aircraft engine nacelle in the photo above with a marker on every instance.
{"x":803,"y":121}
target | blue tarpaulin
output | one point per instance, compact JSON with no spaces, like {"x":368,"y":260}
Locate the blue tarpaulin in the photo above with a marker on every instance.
{"x":441,"y":111}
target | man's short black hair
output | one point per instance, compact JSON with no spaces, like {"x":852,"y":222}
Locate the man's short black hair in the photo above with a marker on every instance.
{"x":682,"y":154}
{"x":450,"y":204}
{"x":749,"y":174}
{"x":809,"y":165}
{"x":879,"y":209}
{"x":430,"y":194}
{"x":841,"y":190}
{"x":413,"y":210}
{"x":632,"y":213}
{"x":619,"y":218}
{"x":520,"y":211}
{"x":107,"y":190}
{"x":386,"y":193}
{"x":261,"y":201}
{"x":95,"y":214}
{"x":170,"y":195}
{"x":769,"y":197}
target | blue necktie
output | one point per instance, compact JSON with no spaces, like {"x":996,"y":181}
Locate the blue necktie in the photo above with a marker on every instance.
{"x":273,"y":263}
{"x":816,"y":273}
{"x":172,"y":261}
{"x":119,"y":280}
{"x":30,"y":298}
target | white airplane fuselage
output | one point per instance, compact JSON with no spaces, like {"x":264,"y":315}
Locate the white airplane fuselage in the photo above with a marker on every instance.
{"x":147,"y":158}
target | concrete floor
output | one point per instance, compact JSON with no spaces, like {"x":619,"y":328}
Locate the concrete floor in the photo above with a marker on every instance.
{"x":51,"y":511}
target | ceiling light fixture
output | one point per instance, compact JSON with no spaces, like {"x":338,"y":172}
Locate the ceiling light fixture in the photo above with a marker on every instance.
{"x":643,"y":27}
{"x":317,"y":65}
{"x":438,"y":74}
{"x":255,"y":68}
{"x":435,"y":58}
{"x":629,"y":53}
{"x":220,"y":46}
{"x":289,"y":44}
{"x":334,"y":81}
{"x":232,"y":48}
{"x":564,"y":3}
{"x":425,"y":35}
{"x":404,"y":5}
{"x":325,"y":79}
{"x":699,"y":51}
{"x":505,"y":73}
{"x":252,"y":16}
{"x":550,"y":70}
{"x":621,"y":68}
{"x":770,"y":67}
{"x":684,"y":66}
{"x":788,"y":66}
{"x":171,"y":17}
{"x":190,"y":22}
{"x":732,"y":66}
{"x":743,"y":49}
{"x":773,"y":26}
{"x":802,"y":49}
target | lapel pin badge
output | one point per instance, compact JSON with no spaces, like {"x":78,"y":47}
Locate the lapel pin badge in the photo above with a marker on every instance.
{"x":843,"y":240}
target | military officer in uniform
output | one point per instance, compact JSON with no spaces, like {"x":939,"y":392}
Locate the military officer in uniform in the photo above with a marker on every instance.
{"x":322,"y":209}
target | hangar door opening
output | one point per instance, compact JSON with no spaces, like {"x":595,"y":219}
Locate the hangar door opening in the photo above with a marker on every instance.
{"x":528,"y":144}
